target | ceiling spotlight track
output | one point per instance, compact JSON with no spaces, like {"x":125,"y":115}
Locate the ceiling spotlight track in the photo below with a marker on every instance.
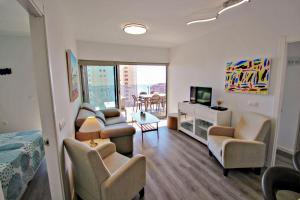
{"x":202,"y":20}
{"x":226,"y":6}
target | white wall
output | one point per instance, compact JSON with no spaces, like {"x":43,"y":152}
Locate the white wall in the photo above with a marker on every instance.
{"x":291,"y":103}
{"x":127,"y":53}
{"x":202,"y":62}
{"x":59,"y":39}
{"x":18,"y":100}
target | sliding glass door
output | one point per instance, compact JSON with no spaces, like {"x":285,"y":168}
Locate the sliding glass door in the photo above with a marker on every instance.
{"x":143,"y":87}
{"x":100,"y":86}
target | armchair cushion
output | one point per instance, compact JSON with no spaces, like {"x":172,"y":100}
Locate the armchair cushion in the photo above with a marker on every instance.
{"x":126,"y":180}
{"x":106,"y":149}
{"x":114,"y":161}
{"x":252,"y":126}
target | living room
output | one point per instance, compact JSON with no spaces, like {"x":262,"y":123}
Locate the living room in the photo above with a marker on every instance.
{"x":195,"y":41}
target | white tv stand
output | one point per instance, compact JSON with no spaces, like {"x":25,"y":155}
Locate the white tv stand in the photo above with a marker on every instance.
{"x":195,"y":119}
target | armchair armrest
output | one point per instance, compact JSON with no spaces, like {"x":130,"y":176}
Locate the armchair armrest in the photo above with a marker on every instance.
{"x":111,"y":132}
{"x":106,"y":149}
{"x":237,"y":153}
{"x":127,"y":181}
{"x":221,"y":131}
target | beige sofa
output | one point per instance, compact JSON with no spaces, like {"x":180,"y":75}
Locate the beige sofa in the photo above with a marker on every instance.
{"x":243,"y":146}
{"x":113,"y":125}
{"x":103,"y":174}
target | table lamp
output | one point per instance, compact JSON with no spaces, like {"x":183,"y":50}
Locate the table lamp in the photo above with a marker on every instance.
{"x":90,"y":125}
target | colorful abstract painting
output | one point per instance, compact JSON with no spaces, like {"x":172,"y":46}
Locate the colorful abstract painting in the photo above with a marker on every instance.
{"x":248,"y":76}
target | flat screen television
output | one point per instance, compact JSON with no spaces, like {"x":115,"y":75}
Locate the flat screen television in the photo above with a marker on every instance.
{"x":201,"y":95}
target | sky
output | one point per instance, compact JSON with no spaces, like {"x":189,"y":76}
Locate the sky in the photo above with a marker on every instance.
{"x":147,"y":74}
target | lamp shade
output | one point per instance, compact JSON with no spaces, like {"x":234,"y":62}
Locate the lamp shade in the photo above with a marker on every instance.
{"x":91,"y":124}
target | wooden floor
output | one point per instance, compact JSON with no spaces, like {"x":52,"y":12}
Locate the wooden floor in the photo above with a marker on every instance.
{"x":38,"y":188}
{"x":179,"y":167}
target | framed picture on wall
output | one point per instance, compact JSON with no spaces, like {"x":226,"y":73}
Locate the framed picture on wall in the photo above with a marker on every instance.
{"x":248,"y":76}
{"x":73,"y":75}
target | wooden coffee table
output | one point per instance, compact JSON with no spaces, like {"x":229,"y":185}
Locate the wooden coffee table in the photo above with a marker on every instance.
{"x":146,"y":121}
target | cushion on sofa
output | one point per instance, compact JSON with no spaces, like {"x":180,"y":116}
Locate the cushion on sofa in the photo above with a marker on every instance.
{"x":88,"y":107}
{"x":82,"y":116}
{"x":100,"y":115}
{"x":117,"y":130}
{"x":111,"y":112}
{"x":115,"y":120}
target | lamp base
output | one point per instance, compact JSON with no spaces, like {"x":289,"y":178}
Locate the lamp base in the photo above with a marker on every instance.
{"x":93,"y":143}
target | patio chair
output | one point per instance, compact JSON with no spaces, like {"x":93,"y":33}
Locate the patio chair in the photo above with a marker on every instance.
{"x":137,"y":103}
{"x":163,"y":101}
{"x":155,"y":102}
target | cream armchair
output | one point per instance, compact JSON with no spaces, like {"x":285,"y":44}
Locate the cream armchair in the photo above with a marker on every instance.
{"x":103,"y":174}
{"x":243,"y":146}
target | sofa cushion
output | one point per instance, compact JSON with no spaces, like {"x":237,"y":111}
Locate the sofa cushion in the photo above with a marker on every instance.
{"x":88,"y":107}
{"x":117,"y":130}
{"x":111,"y":112}
{"x":114,"y":161}
{"x":82,"y":116}
{"x":115,"y":120}
{"x":100,"y":115}
{"x":215,"y":145}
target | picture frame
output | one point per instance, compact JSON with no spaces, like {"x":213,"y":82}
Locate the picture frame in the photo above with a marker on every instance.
{"x":73,"y":75}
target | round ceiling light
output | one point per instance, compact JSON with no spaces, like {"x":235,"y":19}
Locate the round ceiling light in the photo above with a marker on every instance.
{"x":135,"y":29}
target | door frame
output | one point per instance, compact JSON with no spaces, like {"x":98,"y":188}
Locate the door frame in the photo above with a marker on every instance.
{"x":45,"y":94}
{"x":278,"y":94}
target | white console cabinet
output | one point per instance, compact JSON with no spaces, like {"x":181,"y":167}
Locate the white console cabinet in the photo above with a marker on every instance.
{"x":195,"y":119}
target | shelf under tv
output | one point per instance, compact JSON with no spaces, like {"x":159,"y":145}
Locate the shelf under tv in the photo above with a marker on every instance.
{"x":191,"y":114}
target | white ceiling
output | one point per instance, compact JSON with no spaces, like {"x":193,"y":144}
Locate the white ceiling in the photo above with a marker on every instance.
{"x":102,"y":20}
{"x":14,"y":19}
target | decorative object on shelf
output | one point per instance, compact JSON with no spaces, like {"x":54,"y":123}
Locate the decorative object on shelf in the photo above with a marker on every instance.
{"x":248,"y":76}
{"x":5,"y":71}
{"x":218,"y":107}
{"x":226,"y":6}
{"x":219,"y":102}
{"x":73,"y":75}
{"x":91,"y":125}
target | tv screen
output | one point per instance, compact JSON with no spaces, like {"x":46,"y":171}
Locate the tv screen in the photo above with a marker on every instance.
{"x":203,"y":96}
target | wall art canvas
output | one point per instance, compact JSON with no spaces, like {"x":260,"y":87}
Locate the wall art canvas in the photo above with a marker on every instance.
{"x":73,"y":75}
{"x":248,"y":76}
